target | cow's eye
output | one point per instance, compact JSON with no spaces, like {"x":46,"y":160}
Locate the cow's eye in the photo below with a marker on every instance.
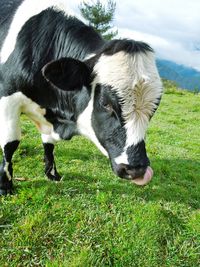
{"x":108,"y":107}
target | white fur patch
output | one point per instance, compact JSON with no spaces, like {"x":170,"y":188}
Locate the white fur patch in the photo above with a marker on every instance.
{"x":123,"y":158}
{"x":136,"y":81}
{"x":25,"y":11}
{"x":53,"y":172}
{"x":10,"y":109}
{"x":84,"y":124}
{"x":50,"y":138}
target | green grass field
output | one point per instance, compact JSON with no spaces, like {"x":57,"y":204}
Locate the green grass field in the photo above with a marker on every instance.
{"x":93,"y":218}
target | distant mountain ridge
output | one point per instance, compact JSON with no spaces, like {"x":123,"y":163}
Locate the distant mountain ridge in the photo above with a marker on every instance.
{"x":184,"y":77}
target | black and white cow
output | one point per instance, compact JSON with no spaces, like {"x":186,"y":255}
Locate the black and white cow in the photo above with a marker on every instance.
{"x":69,"y":81}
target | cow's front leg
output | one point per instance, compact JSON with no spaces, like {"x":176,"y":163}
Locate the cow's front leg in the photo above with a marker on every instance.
{"x":50,"y":166}
{"x":6,"y":170}
{"x":10,"y":134}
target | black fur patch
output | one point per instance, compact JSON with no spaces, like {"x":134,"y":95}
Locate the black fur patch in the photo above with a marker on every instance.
{"x":107,"y":121}
{"x":67,"y":74}
{"x":137,"y":155}
{"x":128,"y":46}
{"x":5,"y":182}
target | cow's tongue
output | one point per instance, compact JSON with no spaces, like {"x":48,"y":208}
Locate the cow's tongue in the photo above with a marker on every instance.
{"x":145,"y":179}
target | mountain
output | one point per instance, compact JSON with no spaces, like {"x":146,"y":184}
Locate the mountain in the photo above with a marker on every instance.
{"x":184,"y":77}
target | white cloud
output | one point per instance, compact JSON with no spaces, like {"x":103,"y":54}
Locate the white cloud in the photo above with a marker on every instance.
{"x":171,"y":27}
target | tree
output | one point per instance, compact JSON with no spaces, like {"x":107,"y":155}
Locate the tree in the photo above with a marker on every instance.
{"x":100,"y":16}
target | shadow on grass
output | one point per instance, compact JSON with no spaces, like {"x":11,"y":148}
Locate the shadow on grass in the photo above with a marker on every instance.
{"x":174,"y":181}
{"x":27,"y":150}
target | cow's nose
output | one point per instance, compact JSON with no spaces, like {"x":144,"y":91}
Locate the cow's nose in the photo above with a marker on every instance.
{"x":129,"y":172}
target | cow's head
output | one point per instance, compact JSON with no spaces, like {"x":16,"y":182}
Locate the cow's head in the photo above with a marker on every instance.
{"x":125,"y":90}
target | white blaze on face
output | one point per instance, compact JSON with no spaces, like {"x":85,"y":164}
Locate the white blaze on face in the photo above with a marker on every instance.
{"x":25,"y":11}
{"x":135,"y":79}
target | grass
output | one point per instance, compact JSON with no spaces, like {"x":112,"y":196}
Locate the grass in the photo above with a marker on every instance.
{"x":93,"y":218}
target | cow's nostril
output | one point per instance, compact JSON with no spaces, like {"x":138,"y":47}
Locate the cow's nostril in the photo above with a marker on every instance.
{"x":122,"y":171}
{"x":129,"y":172}
{"x":137,"y":171}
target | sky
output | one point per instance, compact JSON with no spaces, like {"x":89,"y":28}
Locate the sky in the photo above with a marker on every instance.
{"x":171,"y":27}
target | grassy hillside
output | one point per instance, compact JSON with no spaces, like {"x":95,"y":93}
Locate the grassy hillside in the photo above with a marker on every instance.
{"x":92,"y":218}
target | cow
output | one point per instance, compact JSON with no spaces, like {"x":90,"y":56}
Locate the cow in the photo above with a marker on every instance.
{"x":69,"y":81}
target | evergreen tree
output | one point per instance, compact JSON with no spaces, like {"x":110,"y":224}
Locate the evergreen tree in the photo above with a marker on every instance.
{"x":100,"y":17}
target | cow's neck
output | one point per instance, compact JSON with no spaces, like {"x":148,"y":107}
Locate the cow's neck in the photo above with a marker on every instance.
{"x":70,"y":106}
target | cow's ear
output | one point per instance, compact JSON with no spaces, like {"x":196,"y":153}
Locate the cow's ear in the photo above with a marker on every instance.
{"x":67,"y":74}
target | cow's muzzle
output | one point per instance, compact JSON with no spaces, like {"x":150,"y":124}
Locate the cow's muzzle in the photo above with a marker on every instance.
{"x":138,"y":175}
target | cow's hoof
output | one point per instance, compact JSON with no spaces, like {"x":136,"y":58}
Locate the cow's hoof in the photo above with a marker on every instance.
{"x":53,"y":175}
{"x":4,"y":192}
{"x":6,"y":185}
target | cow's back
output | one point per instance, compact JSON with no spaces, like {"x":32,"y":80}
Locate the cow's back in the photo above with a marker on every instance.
{"x":7,"y":11}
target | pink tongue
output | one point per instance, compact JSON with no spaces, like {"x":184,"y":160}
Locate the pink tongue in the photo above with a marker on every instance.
{"x":145,"y":179}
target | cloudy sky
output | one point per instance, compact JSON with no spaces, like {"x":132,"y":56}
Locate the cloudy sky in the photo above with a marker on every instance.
{"x":171,"y":27}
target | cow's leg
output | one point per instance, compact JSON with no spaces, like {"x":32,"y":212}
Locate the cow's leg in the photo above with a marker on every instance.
{"x":10,"y":134}
{"x":6,"y":170}
{"x":50,"y":166}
